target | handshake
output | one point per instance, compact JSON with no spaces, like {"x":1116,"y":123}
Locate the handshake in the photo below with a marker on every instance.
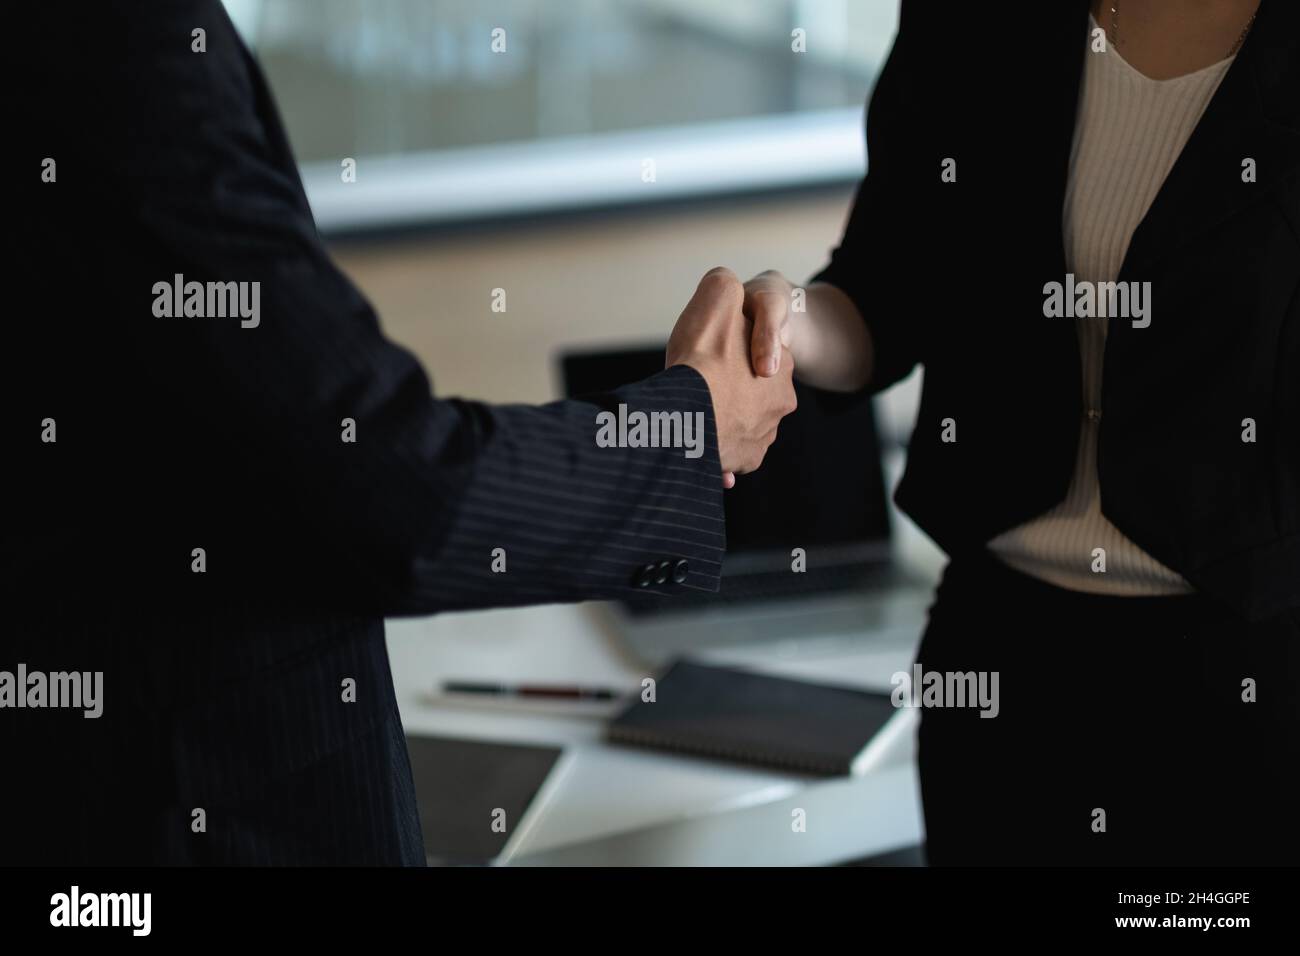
{"x":738,"y":337}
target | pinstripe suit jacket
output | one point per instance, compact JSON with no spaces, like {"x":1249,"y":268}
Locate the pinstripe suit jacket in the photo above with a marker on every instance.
{"x":224,"y":688}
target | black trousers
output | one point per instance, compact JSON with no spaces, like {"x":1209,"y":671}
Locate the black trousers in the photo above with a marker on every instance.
{"x":1125,"y":731}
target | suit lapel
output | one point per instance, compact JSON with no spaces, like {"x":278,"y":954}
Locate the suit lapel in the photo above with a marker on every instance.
{"x":1064,"y":33}
{"x":1252,"y":114}
{"x":1068,"y":46}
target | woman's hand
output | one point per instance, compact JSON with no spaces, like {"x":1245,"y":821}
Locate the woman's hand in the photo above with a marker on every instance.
{"x":768,"y":304}
{"x":820,"y":326}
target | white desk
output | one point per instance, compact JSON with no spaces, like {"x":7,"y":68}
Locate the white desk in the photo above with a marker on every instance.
{"x":610,"y":804}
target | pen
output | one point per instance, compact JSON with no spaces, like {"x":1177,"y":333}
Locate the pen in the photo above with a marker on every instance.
{"x":551,"y":691}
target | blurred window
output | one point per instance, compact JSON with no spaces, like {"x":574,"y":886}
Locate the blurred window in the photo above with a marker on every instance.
{"x":469,"y":108}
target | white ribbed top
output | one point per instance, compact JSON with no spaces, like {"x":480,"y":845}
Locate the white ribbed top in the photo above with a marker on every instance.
{"x":1128,"y":132}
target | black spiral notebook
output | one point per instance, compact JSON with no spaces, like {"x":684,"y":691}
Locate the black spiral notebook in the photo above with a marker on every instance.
{"x":738,"y":715}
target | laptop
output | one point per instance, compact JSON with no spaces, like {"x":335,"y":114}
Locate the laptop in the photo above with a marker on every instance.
{"x":809,"y":538}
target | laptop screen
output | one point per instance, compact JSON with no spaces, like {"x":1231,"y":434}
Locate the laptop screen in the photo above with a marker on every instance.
{"x":821,"y":486}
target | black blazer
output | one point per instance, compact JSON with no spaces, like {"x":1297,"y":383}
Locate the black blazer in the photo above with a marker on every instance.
{"x":951,"y":275}
{"x":224,"y":689}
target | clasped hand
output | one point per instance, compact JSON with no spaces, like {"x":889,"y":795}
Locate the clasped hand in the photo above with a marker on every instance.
{"x":737,"y":336}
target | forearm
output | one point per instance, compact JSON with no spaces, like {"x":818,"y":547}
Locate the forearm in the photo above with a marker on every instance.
{"x":830,"y":342}
{"x":548,"y":513}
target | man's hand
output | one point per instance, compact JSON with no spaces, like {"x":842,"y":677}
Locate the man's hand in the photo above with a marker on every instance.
{"x":713,"y":337}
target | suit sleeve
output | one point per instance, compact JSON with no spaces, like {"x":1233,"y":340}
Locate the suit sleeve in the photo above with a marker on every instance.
{"x":436,"y":504}
{"x":878,"y":252}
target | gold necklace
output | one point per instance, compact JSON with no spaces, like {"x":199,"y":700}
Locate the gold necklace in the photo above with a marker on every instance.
{"x":1241,"y":38}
